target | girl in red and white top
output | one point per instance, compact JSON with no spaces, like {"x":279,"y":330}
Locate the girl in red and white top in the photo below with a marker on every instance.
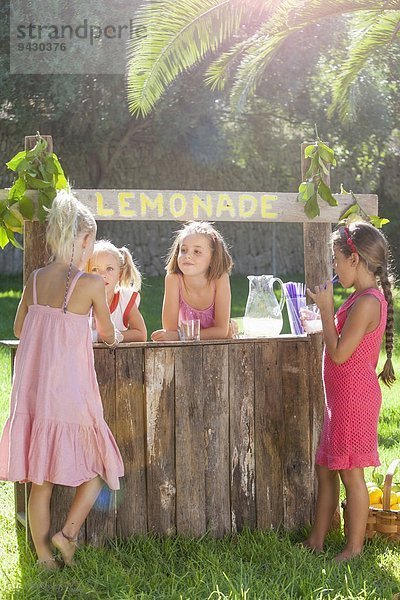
{"x":123,"y":280}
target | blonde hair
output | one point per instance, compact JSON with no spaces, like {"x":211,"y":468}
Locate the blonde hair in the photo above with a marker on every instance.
{"x":221,"y":260}
{"x":67,"y":219}
{"x":373,"y":250}
{"x":129,"y":273}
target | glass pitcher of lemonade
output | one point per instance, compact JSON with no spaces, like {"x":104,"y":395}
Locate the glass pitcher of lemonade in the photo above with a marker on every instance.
{"x":263,"y":314}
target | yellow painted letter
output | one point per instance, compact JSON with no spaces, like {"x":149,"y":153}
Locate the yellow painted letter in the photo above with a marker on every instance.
{"x":101,"y":210}
{"x":266,"y":206}
{"x":125,"y":209}
{"x":205,"y":205}
{"x":251,"y":208}
{"x":177,"y":212}
{"x":147,"y":202}
{"x":225,"y":205}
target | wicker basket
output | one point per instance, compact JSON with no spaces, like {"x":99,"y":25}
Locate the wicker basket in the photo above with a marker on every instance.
{"x":382,"y":521}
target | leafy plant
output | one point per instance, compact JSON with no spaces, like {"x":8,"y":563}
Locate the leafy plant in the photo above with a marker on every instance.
{"x":314,"y":186}
{"x":321,"y":157}
{"x":355,"y":212}
{"x":38,"y":170}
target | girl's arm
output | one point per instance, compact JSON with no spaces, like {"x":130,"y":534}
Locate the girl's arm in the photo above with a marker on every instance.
{"x":362,"y":318}
{"x":170,"y":311}
{"x":137,"y":331}
{"x":104,"y":325}
{"x":220,"y":329}
{"x":22,"y":309}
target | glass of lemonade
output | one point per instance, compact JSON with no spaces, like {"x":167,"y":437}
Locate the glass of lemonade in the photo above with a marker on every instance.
{"x":311,"y":318}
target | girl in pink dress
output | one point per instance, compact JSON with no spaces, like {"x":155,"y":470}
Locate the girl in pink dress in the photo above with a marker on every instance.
{"x":56,"y":433}
{"x":122,"y":280}
{"x":353,"y":337}
{"x":197,"y":284}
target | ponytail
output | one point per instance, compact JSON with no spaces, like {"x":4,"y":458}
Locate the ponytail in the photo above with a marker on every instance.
{"x":130,"y":274}
{"x":387,"y":374}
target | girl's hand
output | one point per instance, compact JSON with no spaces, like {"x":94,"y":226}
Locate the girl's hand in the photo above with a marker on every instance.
{"x":323,"y":297}
{"x":162,"y":335}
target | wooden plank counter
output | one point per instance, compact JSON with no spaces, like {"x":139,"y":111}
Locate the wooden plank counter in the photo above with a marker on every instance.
{"x":215,"y":436}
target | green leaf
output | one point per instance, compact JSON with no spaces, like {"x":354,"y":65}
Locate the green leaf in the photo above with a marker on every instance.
{"x":41,"y":210}
{"x":35,"y":183}
{"x":326,"y":153}
{"x":12,"y":221}
{"x":323,"y":166}
{"x":45,"y":173}
{"x":23,"y":165}
{"x":377,"y":477}
{"x":50,"y":163}
{"x":325,"y":193}
{"x":27,"y":207}
{"x":378,"y":222}
{"x":61,"y":182}
{"x":16,"y":161}
{"x":44,"y":199}
{"x":354,"y":209}
{"x":38,"y":148}
{"x":17,"y":189}
{"x":311,"y":208}
{"x":3,"y":237}
{"x":12,"y":239}
{"x":310,"y":150}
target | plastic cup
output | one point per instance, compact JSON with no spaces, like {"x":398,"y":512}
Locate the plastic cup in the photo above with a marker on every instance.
{"x":237,"y":327}
{"x":311,"y":318}
{"x":190,"y":330}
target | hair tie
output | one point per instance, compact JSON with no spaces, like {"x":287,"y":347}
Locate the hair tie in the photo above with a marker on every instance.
{"x":349,"y":241}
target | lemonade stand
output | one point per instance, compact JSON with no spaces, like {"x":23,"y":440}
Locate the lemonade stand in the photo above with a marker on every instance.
{"x":215,"y":435}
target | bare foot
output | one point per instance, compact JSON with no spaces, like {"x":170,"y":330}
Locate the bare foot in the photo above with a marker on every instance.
{"x":308,"y":545}
{"x":66,"y":545}
{"x":346,"y":555}
{"x":48,"y":564}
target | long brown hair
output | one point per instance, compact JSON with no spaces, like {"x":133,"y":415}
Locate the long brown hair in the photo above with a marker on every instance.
{"x":221,"y":260}
{"x":373,"y":249}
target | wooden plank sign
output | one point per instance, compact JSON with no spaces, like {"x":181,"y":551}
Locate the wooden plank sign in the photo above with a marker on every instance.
{"x":169,"y":205}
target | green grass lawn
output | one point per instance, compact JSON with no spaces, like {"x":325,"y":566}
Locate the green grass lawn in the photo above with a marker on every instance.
{"x":252,"y":565}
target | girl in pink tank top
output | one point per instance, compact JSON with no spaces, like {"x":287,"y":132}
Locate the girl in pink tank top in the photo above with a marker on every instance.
{"x":56,"y":433}
{"x":197,"y":284}
{"x":353,"y":337}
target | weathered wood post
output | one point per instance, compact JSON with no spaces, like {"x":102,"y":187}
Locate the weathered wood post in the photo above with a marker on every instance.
{"x":35,"y":252}
{"x":317,"y":253}
{"x":317,"y":269}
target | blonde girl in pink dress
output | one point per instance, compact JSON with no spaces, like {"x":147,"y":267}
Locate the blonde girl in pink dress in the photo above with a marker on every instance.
{"x":56,"y":433}
{"x":353,"y":337}
{"x":197,"y":284}
{"x":122,"y":280}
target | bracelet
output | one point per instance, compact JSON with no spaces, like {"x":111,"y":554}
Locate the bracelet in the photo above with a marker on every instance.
{"x":118,"y":337}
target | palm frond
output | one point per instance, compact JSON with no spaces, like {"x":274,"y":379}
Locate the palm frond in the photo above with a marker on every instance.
{"x":312,"y":11}
{"x":178,"y":35}
{"x":219,"y":71}
{"x":252,"y":66}
{"x":378,"y":34}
